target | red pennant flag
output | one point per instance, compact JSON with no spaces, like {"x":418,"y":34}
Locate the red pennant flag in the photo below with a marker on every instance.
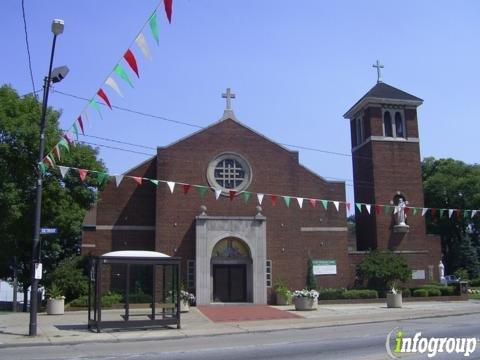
{"x":406,"y":210}
{"x":104,"y":97}
{"x":186,"y":187}
{"x":232,"y":193}
{"x":130,"y":59}
{"x":82,"y":173}
{"x":312,"y":202}
{"x":378,"y":209}
{"x":137,"y":179}
{"x":274,"y":199}
{"x":48,"y":161}
{"x":80,"y":122}
{"x":433,"y":212}
{"x":168,"y":9}
{"x":459,"y":214}
{"x":66,"y":137}
{"x":347,"y":206}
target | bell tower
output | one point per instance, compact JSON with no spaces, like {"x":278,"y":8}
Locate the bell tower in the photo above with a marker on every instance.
{"x":387,"y":169}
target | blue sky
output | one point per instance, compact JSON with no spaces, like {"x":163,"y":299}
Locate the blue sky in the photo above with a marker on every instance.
{"x":295,"y":66}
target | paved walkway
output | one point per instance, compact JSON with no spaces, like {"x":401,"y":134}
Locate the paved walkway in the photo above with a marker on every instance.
{"x":71,"y":327}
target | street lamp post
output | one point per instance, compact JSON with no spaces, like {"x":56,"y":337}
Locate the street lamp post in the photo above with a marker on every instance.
{"x":57,"y":29}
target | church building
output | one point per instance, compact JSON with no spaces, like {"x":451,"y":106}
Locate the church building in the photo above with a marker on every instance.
{"x":243,"y":213}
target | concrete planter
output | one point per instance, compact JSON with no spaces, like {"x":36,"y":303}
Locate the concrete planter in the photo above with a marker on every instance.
{"x":184,"y":306}
{"x":305,"y":303}
{"x":55,"y":306}
{"x":394,"y":300}
{"x":283,"y":299}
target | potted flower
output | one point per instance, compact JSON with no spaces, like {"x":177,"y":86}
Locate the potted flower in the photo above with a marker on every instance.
{"x":305,"y":299}
{"x":283,"y":293}
{"x":55,"y":300}
{"x":394,"y":298}
{"x":186,"y":299}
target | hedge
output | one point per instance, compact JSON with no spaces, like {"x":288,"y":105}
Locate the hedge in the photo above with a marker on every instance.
{"x":360,"y":294}
{"x":420,"y":292}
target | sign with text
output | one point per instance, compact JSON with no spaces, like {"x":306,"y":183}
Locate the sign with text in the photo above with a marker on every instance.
{"x":418,"y":274}
{"x":324,"y":267}
{"x":48,"y":231}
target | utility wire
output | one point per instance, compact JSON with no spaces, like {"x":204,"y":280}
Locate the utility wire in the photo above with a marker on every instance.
{"x":28,"y":48}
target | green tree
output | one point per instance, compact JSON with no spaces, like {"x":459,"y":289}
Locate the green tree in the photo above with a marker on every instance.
{"x":70,"y":278}
{"x":65,"y":201}
{"x":452,"y":184}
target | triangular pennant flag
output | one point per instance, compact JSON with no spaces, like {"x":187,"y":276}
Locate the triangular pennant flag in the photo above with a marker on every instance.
{"x":459,"y":214}
{"x":56,"y":150}
{"x":42,"y":167}
{"x":186,"y":188}
{"x":153,"y":181}
{"x":113,"y":84}
{"x":153,"y":26}
{"x":347,"y":205}
{"x":143,"y":45}
{"x":246,"y":195}
{"x":424,"y":211}
{"x":313,"y":202}
{"x":120,"y":71}
{"x":49,"y":160}
{"x":171,"y":186}
{"x":232,"y":194}
{"x":325,"y":204}
{"x":260,"y":198}
{"x":218,"y":192}
{"x":168,"y":9}
{"x":63,"y":170}
{"x":95,"y":106}
{"x":359,"y":206}
{"x":64,"y":143}
{"x":80,"y":123}
{"x":101,"y":178}
{"x":415,"y":210}
{"x":286,"y":199}
{"x":82,"y":173}
{"x":75,"y":130}
{"x":274,"y":199}
{"x":474,"y":212}
{"x":137,"y":179}
{"x":378,"y":209}
{"x":104,"y":97}
{"x":118,"y":179}
{"x":450,"y":212}
{"x":337,"y":205}
{"x":67,"y":137}
{"x":441,"y":212}
{"x":131,"y":61}
{"x":300,"y":202}
{"x":406,"y":210}
{"x":433,"y":212}
{"x":368,"y":207}
{"x":202,"y":190}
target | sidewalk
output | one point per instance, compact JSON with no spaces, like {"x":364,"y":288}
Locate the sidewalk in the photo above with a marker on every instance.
{"x":71,"y":328}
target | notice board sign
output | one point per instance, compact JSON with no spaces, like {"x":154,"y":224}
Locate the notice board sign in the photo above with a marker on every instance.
{"x":324,"y":267}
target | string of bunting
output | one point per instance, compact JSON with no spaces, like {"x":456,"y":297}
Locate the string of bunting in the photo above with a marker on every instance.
{"x":118,"y":72}
{"x":102,"y":177}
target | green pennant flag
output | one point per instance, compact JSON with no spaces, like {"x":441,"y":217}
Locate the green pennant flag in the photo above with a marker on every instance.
{"x":441,"y":212}
{"x":42,"y":167}
{"x":101,"y":178}
{"x":120,"y":71}
{"x":202,"y":190}
{"x":359,"y":206}
{"x":387,"y":209}
{"x":75,"y":130}
{"x":52,"y":159}
{"x":246,"y":195}
{"x":154,"y":181}
{"x":64,"y":143}
{"x":466,"y":214}
{"x":325,"y":204}
{"x":415,"y":210}
{"x":95,"y":106}
{"x":287,"y":200}
{"x":153,"y":25}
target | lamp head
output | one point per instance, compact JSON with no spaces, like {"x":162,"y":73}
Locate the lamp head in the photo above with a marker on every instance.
{"x":58,"y":74}
{"x":57,"y":26}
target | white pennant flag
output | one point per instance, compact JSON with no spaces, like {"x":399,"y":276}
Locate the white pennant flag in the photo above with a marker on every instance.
{"x":450,"y":212}
{"x":113,"y":84}
{"x":300,"y":202}
{"x":260,"y":198}
{"x":118,"y":179}
{"x":337,"y":204}
{"x":63,"y":170}
{"x":368,"y":206}
{"x":217,"y":193}
{"x":474,"y":212}
{"x":171,"y":186}
{"x":143,"y":45}
{"x":424,"y":211}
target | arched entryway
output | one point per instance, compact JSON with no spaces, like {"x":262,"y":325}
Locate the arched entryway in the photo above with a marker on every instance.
{"x":231,"y":271}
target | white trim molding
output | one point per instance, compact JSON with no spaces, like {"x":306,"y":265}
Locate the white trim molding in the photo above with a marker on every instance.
{"x":323,"y":229}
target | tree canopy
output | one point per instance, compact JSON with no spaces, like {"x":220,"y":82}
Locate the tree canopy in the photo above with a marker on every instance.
{"x":65,"y":201}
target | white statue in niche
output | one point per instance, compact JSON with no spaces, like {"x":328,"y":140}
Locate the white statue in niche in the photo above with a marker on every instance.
{"x":401,"y":216}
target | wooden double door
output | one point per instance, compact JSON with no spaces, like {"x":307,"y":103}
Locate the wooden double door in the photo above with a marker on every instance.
{"x":230,"y":283}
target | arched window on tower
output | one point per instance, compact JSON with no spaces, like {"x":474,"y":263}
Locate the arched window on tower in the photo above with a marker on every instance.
{"x":387,"y":124}
{"x":399,"y":129}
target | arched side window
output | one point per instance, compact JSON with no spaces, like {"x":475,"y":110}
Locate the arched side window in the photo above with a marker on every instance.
{"x":399,"y":127}
{"x":387,"y":124}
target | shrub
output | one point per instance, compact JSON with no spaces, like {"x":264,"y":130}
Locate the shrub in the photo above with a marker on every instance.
{"x":360,"y":294}
{"x":70,"y":278}
{"x":461,"y":274}
{"x":111,"y":298}
{"x":420,"y":293}
{"x":434,"y":292}
{"x":82,"y":301}
{"x":139,"y":298}
{"x":475,"y":282}
{"x":331,"y":293}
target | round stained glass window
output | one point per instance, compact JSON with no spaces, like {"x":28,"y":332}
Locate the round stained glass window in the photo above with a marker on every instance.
{"x":229,"y":172}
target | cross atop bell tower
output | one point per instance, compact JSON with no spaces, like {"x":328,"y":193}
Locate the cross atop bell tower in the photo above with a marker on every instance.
{"x":379,"y":72}
{"x":228,"y":95}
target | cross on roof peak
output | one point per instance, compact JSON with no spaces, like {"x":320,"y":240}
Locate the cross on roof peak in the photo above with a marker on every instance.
{"x":379,"y":73}
{"x":228,"y":95}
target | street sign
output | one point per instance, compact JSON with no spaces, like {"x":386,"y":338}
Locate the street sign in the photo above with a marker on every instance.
{"x":48,"y":231}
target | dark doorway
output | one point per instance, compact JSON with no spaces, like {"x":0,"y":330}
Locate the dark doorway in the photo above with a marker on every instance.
{"x":230,"y":283}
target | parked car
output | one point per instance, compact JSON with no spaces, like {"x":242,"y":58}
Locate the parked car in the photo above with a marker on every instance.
{"x":451,"y":279}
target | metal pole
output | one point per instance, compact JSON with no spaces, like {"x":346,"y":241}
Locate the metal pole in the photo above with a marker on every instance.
{"x":36,"y":256}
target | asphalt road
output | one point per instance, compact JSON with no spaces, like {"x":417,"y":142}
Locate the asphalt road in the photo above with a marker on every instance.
{"x":365,"y":341}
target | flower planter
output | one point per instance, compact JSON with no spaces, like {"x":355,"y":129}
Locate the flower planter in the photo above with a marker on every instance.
{"x":394,"y":300}
{"x":305,"y":303}
{"x":283,"y":299}
{"x":184,"y":306}
{"x":55,"y":306}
